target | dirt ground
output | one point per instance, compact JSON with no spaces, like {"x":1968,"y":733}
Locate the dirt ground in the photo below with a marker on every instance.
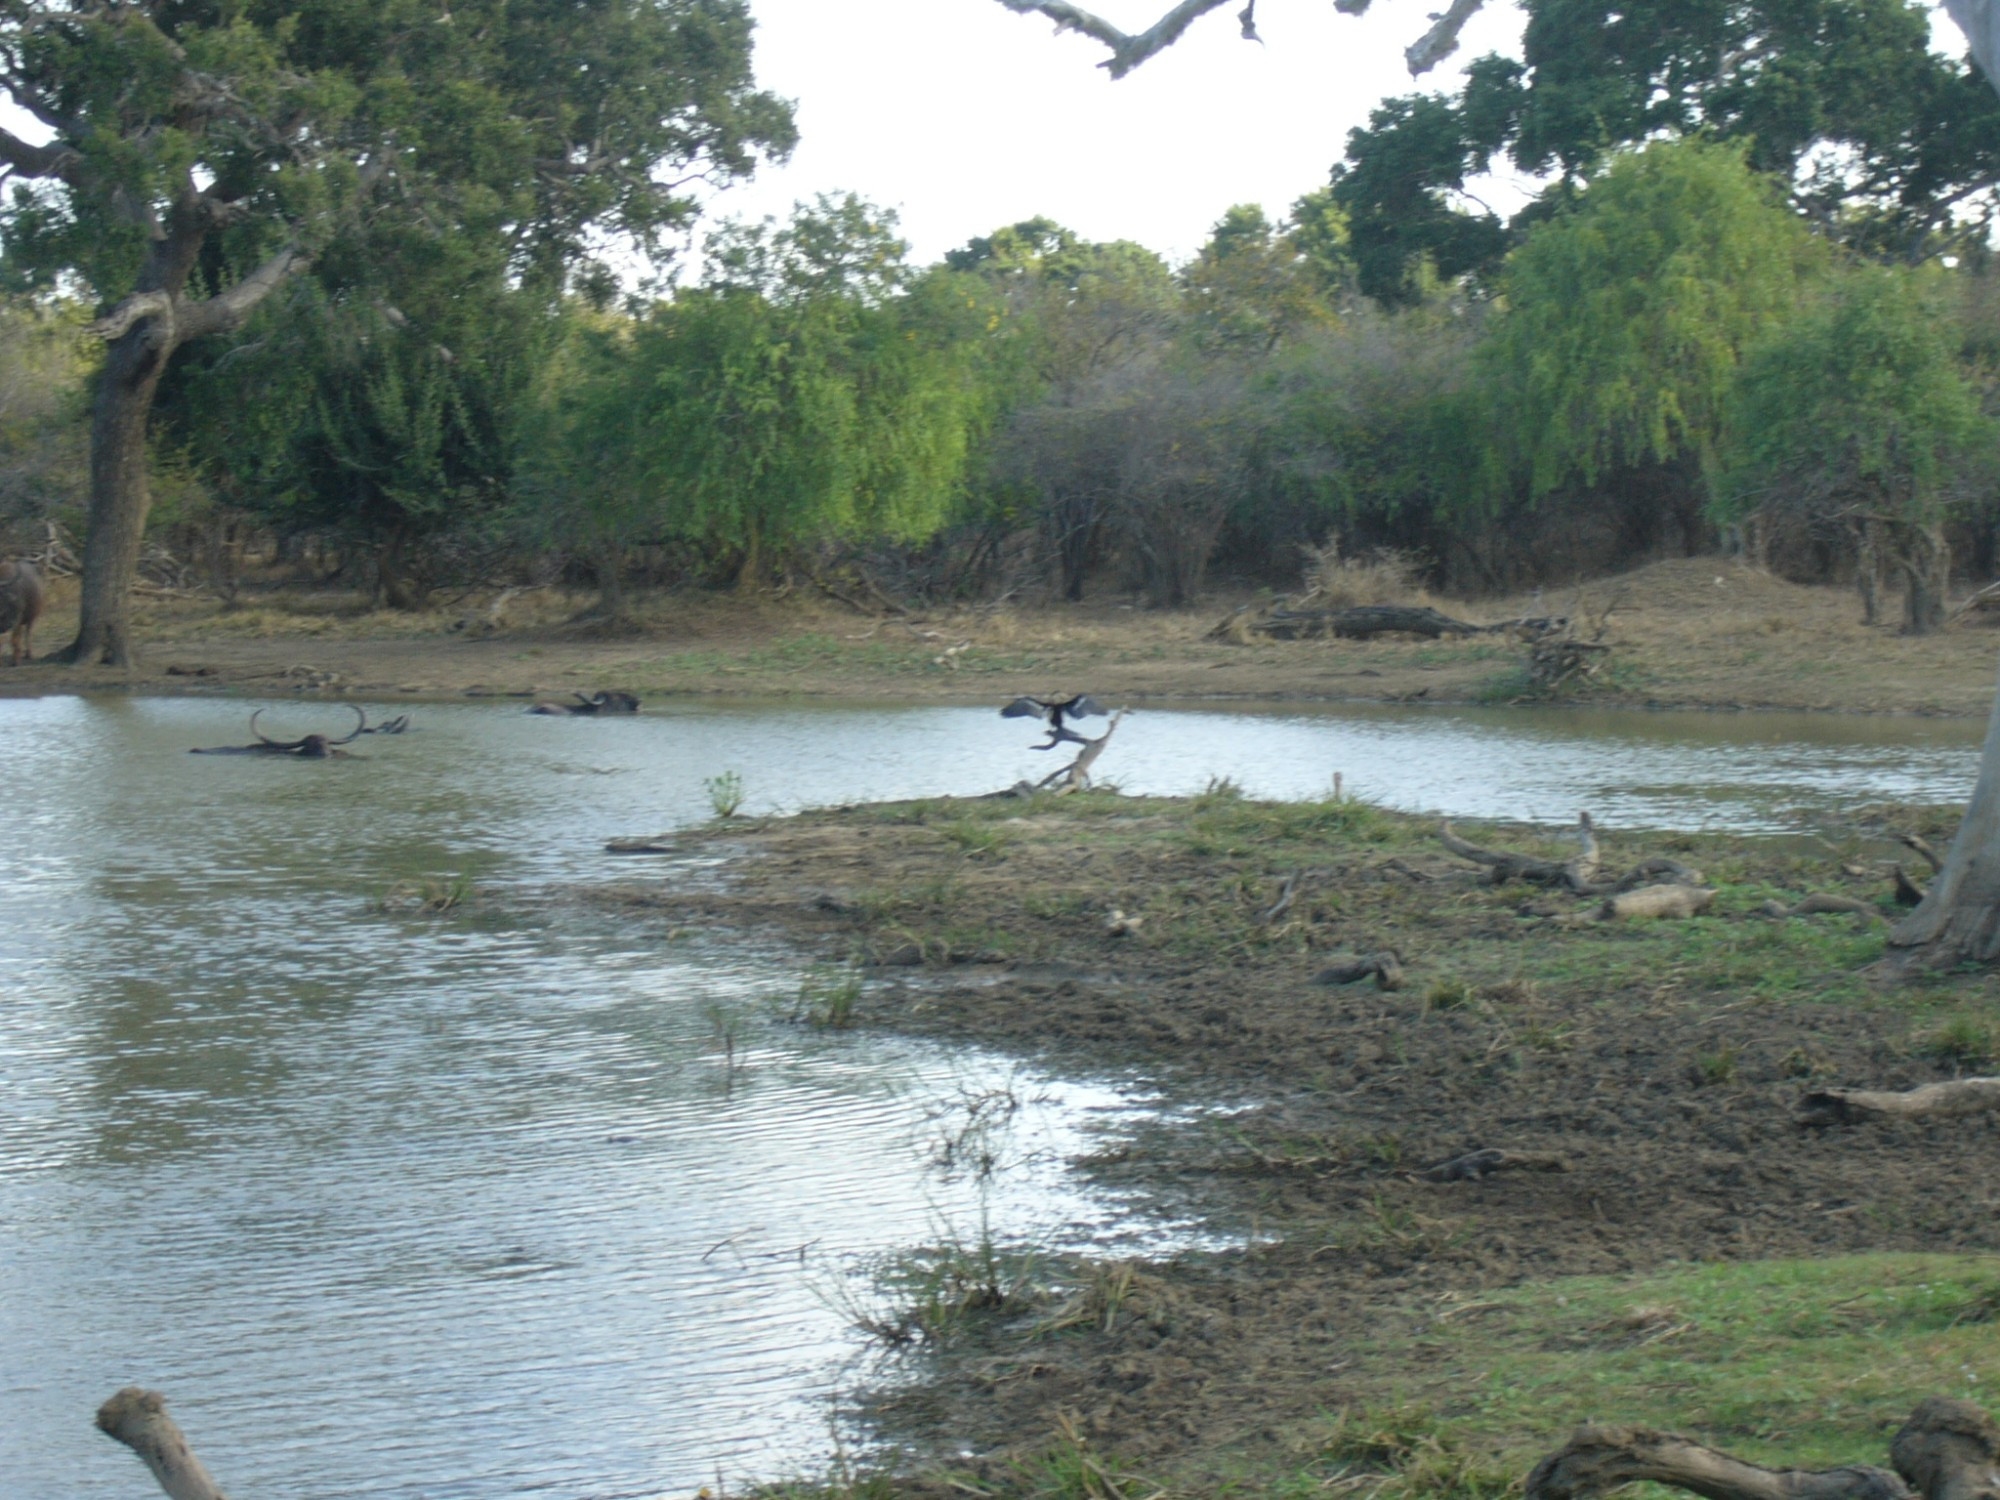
{"x":1695,"y":633}
{"x":1662,"y":1064}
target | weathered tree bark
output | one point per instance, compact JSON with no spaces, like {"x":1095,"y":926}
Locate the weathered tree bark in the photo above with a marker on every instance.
{"x":1819,"y":902}
{"x":1959,"y":917}
{"x":1597,"y":1459}
{"x":143,"y":332}
{"x":138,"y":1419}
{"x":1948,"y":1100}
{"x":1075,"y":777}
{"x":1923,"y":557}
{"x":1949,"y":1450}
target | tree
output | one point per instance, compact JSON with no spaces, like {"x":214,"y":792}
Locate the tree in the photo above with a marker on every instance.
{"x":810,"y":389}
{"x":198,"y":157}
{"x":1889,"y":146}
{"x":1856,"y":413}
{"x":1626,"y":319}
{"x":1255,"y":285}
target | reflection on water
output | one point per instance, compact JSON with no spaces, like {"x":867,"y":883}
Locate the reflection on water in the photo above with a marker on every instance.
{"x":485,"y":1206}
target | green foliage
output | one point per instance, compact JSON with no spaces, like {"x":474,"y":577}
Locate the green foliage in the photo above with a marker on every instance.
{"x":1626,"y":317}
{"x":1859,"y":402}
{"x":809,"y":390}
{"x":1877,"y":136}
{"x":725,"y":793}
{"x":535,"y":124}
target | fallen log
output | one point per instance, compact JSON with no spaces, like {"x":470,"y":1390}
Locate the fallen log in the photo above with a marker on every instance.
{"x":1908,"y":892}
{"x":1579,"y":872}
{"x":1386,"y":968}
{"x":1596,"y":1459}
{"x":1819,"y":903}
{"x":1356,"y":622}
{"x":138,"y":1419}
{"x":1658,"y":901}
{"x":1949,"y":1100}
{"x":1922,"y":846}
{"x":1484,"y":1162}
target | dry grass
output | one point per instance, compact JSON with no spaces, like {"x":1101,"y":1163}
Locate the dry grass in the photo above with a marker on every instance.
{"x":1382,"y":576}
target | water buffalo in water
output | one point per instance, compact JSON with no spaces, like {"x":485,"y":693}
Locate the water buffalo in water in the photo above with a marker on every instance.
{"x":20,"y":606}
{"x":313,"y":746}
{"x":613,"y":702}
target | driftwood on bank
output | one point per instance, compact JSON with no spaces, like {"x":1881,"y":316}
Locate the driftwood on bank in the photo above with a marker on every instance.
{"x":1484,"y":1162}
{"x":1947,"y":1450}
{"x":1953,"y":1098}
{"x":138,"y":1419}
{"x":1820,"y":903}
{"x":1640,"y":892}
{"x":1386,"y":968}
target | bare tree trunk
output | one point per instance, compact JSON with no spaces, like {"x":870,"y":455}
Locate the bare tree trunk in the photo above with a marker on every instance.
{"x":119,"y":497}
{"x":1923,"y":557}
{"x":1959,"y":917}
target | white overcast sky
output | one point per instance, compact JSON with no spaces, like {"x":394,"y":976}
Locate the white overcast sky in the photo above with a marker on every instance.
{"x":964,"y":116}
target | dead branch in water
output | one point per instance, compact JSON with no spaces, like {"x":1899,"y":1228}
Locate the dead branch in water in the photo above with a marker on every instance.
{"x":138,"y":1419}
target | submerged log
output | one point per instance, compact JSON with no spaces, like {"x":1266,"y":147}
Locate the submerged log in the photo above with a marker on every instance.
{"x":1949,"y":1100}
{"x":138,"y":1419}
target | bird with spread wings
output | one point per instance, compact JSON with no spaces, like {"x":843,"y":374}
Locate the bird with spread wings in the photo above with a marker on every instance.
{"x":1052,"y":711}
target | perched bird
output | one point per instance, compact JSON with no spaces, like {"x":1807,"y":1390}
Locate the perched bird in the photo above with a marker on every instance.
{"x":1052,"y":711}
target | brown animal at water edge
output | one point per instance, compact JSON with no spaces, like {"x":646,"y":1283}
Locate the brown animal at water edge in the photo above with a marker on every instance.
{"x":20,"y":606}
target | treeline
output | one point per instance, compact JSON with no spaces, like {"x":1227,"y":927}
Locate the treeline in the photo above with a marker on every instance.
{"x":1675,"y":359}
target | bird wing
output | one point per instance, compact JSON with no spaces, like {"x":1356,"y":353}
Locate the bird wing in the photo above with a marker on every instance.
{"x":1082,"y":706}
{"x":1025,"y":708}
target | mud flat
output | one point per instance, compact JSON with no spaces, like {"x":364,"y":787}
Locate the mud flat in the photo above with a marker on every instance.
{"x":1561,"y":1170}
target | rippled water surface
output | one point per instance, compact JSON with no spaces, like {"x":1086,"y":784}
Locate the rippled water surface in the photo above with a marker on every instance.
{"x":515,"y":1202}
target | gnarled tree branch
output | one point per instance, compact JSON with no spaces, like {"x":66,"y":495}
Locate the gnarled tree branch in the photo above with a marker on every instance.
{"x":1129,"y":49}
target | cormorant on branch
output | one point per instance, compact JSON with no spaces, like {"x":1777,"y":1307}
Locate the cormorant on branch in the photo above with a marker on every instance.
{"x":1053,"y":711}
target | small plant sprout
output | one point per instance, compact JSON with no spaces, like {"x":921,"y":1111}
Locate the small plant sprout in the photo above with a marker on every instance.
{"x":725,"y":793}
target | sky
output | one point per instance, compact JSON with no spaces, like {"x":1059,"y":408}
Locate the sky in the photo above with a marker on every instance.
{"x":965,"y":116}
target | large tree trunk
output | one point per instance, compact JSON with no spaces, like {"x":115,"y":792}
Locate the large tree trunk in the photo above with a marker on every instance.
{"x":1923,"y":557}
{"x":119,"y":495}
{"x":1959,"y":919}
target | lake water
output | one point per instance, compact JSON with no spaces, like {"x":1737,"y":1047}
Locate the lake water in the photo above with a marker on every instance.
{"x":514,"y":1202}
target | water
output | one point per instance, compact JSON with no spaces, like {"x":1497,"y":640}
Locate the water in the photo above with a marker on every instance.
{"x":517,"y":1202}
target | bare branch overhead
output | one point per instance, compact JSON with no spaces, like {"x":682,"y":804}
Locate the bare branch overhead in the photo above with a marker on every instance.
{"x":1129,"y":49}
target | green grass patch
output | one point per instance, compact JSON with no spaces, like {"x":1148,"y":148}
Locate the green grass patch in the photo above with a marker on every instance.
{"x":1784,"y":1362}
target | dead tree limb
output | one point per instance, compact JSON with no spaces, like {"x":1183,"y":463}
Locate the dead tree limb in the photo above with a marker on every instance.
{"x":1596,"y":1459}
{"x":1490,"y":1159}
{"x":1386,"y":968}
{"x":1075,"y":777}
{"x":138,"y":1419}
{"x":1949,"y":1100}
{"x":1923,"y":847}
{"x":1820,"y":903}
{"x":1578,"y":873}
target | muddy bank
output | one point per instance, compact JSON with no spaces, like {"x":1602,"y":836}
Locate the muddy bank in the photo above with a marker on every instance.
{"x":1694,"y":633}
{"x":1647,"y":1074}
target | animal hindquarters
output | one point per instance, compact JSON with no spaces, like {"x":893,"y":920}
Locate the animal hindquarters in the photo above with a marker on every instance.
{"x":20,"y":607}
